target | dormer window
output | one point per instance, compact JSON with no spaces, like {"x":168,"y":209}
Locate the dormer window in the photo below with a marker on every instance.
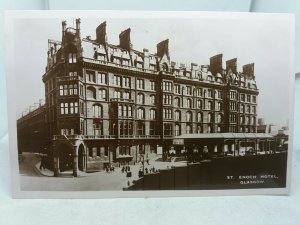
{"x":72,"y":57}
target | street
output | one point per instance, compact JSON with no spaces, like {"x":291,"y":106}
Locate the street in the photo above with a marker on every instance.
{"x":33,"y":180}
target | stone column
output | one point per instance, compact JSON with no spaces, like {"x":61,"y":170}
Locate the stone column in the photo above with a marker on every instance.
{"x":75,"y":161}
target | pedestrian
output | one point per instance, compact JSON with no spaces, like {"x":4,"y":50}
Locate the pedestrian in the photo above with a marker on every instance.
{"x":42,"y":163}
{"x":146,"y":170}
{"x":123,"y":169}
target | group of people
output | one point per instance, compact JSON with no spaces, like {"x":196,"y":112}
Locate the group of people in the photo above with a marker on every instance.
{"x":109,"y":168}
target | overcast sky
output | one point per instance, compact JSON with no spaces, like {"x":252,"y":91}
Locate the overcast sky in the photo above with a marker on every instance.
{"x":263,"y":42}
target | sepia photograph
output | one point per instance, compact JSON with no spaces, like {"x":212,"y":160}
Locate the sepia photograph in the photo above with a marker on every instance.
{"x":140,"y":102}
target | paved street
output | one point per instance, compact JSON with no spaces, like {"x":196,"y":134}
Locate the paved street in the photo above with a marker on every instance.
{"x":32,"y":180}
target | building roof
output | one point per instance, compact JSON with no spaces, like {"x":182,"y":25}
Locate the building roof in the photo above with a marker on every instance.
{"x":224,"y":136}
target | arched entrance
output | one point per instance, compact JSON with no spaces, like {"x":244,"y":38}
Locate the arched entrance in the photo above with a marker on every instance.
{"x":65,"y":154}
{"x":81,"y":158}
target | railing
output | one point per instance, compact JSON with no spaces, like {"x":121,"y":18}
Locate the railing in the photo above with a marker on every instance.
{"x":68,"y":78}
{"x":139,"y":136}
{"x":92,"y":137}
{"x":66,"y":137}
{"x":121,"y":100}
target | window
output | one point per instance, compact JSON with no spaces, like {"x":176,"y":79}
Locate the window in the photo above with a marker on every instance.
{"x":97,"y":111}
{"x":219,"y":94}
{"x":209,"y":105}
{"x":188,"y":90}
{"x":168,"y":129}
{"x":199,"y":92}
{"x":219,"y":118}
{"x":126,"y":82}
{"x":117,"y":81}
{"x":102,"y":78}
{"x":219,"y":129}
{"x":125,"y":110}
{"x":254,"y":99}
{"x":248,"y":109}
{"x":209,"y":129}
{"x":210,"y":118}
{"x":167,"y":99}
{"x":189,"y":117}
{"x":167,"y":86}
{"x":232,"y":95}
{"x":90,"y":76}
{"x":125,"y":62}
{"x":126,"y":95}
{"x":199,"y":104}
{"x":152,"y":99}
{"x":97,"y":129}
{"x":140,"y":128}
{"x":242,"y":97}
{"x":177,"y":88}
{"x":248,"y":98}
{"x":152,"y":128}
{"x":139,"y":65}
{"x":253,"y":111}
{"x":129,"y":113}
{"x":218,"y":106}
{"x":117,"y":94}
{"x":167,"y":113}
{"x":140,"y":84}
{"x":232,"y":106}
{"x":188,"y":129}
{"x":72,"y":74}
{"x":232,"y":118}
{"x":102,"y":94}
{"x":91,"y":93}
{"x":177,"y":115}
{"x":140,"y":98}
{"x":64,"y":108}
{"x":199,"y":129}
{"x":242,"y":119}
{"x":120,"y":110}
{"x":177,"y":102}
{"x":140,"y":113}
{"x":177,"y":130}
{"x":61,"y":90}
{"x":199,"y":117}
{"x":81,"y":90}
{"x":152,"y":67}
{"x":66,"y":92}
{"x":209,"y":93}
{"x":72,"y":58}
{"x":189,"y":103}
{"x":152,"y":85}
{"x":152,"y":114}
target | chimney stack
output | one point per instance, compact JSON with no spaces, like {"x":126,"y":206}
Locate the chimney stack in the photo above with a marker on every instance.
{"x":216,"y":64}
{"x":163,"y":48}
{"x":64,"y":26}
{"x":101,"y":33}
{"x":231,"y":64}
{"x":125,"y":41}
{"x":78,"y":25}
{"x":248,"y":69}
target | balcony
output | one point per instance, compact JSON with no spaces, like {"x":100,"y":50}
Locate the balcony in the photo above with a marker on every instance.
{"x":98,"y":137}
{"x":67,"y":137}
{"x":139,"y":137}
{"x":69,"y":78}
{"x":121,"y":100}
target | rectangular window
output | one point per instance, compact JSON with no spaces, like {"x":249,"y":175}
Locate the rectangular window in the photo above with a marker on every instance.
{"x":90,"y":76}
{"x":167,"y":99}
{"x":189,"y":90}
{"x":167,"y":113}
{"x":117,"y":80}
{"x":126,"y":82}
{"x":72,"y":58}
{"x":152,"y":85}
{"x":177,"y":88}
{"x":232,"y":95}
{"x":140,"y":84}
{"x":102,"y":78}
{"x":167,"y":86}
{"x":254,"y":99}
{"x":248,"y":98}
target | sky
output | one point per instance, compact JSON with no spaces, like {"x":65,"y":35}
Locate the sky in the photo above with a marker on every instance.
{"x":265,"y":42}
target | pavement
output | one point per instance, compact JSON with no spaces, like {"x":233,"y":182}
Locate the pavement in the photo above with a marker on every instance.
{"x":34,"y":179}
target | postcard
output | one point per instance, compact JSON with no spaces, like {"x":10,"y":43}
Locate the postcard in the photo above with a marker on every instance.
{"x":149,"y":104}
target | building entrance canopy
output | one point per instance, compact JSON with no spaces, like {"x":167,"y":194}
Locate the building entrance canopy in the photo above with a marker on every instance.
{"x":179,"y":140}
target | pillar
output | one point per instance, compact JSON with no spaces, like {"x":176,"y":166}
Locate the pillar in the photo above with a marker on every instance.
{"x":75,"y":161}
{"x":56,"y":167}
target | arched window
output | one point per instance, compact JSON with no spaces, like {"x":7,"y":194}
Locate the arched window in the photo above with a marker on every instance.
{"x":177,"y":102}
{"x":140,"y":113}
{"x":91,"y":93}
{"x":189,"y":117}
{"x":219,"y":129}
{"x":97,"y":111}
{"x":199,"y":104}
{"x":140,"y":98}
{"x":126,"y":95}
{"x":188,"y":129}
{"x":102,"y":94}
{"x":199,"y":129}
{"x":177,"y":115}
{"x":219,"y":118}
{"x":199,"y":117}
{"x":117,"y":94}
{"x":189,"y":103}
{"x":120,"y":110}
{"x":177,"y":130}
{"x":152,"y":99}
{"x":209,"y":129}
{"x":152,"y":114}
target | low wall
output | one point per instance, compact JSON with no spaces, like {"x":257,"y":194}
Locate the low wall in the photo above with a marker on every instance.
{"x":242,"y":172}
